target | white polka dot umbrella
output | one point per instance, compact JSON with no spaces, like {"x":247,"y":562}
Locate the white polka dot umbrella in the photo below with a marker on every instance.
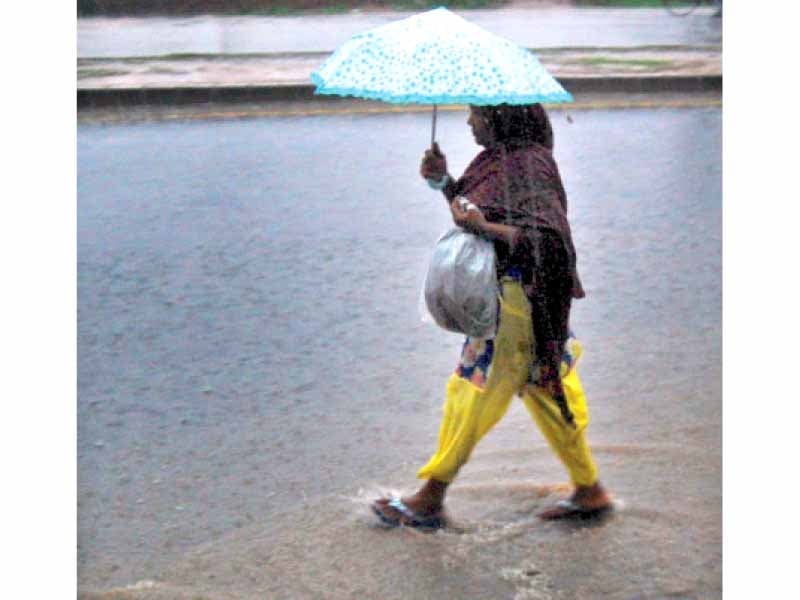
{"x":436,"y":57}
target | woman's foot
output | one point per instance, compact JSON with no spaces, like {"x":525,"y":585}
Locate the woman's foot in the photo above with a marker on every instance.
{"x":419,"y":508}
{"x":426,"y":504}
{"x":586,"y":501}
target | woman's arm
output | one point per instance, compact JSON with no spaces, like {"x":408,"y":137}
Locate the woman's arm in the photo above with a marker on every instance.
{"x":434,"y":169}
{"x":498,"y":231}
{"x":474,"y":220}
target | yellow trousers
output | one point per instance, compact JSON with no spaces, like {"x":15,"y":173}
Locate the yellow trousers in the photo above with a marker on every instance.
{"x":475,"y":404}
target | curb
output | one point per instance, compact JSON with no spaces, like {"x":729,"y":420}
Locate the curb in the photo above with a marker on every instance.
{"x":181,"y":96}
{"x":321,"y":55}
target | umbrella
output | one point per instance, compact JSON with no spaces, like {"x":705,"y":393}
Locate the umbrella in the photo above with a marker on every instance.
{"x":436,"y":57}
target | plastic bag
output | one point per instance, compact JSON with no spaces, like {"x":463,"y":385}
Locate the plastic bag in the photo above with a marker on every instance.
{"x":461,"y":284}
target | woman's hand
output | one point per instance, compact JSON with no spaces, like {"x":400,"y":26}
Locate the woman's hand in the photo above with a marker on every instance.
{"x":434,"y":164}
{"x":471,"y":220}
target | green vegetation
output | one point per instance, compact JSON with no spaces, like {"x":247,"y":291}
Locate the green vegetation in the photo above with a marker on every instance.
{"x":634,"y":3}
{"x":165,"y":71}
{"x":625,"y":62}
{"x":290,"y":7}
{"x":423,"y":4}
{"x":92,"y":73}
{"x":267,"y":7}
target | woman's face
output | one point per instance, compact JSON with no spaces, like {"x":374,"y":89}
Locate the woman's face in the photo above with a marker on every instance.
{"x":484,"y":136}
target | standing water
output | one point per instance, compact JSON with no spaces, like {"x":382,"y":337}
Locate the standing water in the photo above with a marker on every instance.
{"x":253,"y":370}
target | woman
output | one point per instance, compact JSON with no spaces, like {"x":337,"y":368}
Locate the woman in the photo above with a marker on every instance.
{"x":519,"y":203}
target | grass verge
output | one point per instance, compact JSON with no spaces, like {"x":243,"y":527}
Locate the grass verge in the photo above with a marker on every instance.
{"x":650,"y":63}
{"x":111,"y":8}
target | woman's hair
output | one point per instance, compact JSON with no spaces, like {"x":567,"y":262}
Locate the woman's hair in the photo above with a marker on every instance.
{"x":516,"y":125}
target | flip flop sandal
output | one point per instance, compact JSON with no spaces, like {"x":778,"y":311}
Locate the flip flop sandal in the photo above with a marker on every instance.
{"x":571,"y":510}
{"x":414,"y":520}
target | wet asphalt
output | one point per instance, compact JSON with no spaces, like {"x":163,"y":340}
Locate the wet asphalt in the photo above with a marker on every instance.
{"x":249,"y":335}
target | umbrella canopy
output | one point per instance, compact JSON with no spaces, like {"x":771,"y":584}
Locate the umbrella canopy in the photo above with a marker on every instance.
{"x":436,"y":57}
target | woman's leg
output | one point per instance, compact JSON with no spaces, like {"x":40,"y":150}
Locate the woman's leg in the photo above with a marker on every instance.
{"x":476,"y":400}
{"x":569,"y":443}
{"x":469,"y":413}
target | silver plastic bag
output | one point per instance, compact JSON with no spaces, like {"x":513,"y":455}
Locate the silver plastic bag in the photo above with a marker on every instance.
{"x":461,"y":284}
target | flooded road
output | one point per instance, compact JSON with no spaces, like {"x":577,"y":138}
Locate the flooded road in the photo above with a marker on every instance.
{"x":252,"y":367}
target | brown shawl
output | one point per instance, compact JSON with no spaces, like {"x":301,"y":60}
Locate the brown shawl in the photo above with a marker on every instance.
{"x":520,"y":185}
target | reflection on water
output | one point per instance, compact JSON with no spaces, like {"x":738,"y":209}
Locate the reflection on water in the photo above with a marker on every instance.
{"x":251,"y":356}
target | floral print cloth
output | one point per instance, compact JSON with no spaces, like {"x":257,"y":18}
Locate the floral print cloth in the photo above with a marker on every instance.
{"x":476,"y":360}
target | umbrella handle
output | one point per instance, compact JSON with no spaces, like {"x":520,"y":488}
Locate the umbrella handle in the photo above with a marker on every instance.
{"x":433,"y":127}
